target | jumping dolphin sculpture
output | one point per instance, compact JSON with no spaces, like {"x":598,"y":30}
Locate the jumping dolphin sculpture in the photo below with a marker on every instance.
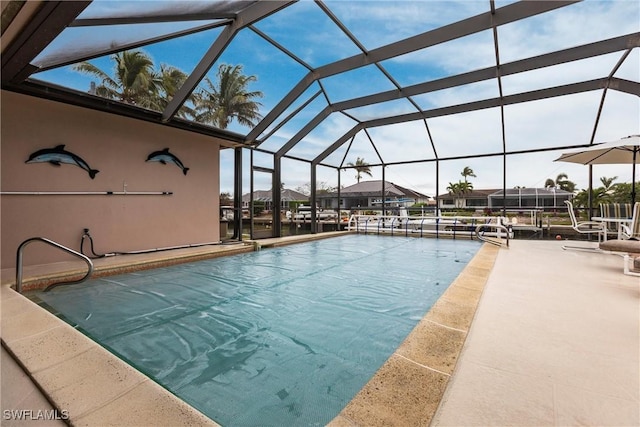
{"x":58,"y":155}
{"x":165,"y":157}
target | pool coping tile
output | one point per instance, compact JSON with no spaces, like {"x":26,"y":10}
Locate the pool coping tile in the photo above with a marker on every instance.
{"x":402,"y":392}
{"x":86,"y":374}
{"x":147,"y":404}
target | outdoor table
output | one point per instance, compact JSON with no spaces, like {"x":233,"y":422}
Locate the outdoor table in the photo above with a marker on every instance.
{"x":619,"y":221}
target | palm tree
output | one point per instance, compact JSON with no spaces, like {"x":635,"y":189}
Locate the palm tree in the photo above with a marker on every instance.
{"x":361,"y":167}
{"x":549,"y":183}
{"x":562,"y":182}
{"x":458,"y":191}
{"x":608,"y":184}
{"x":455,"y":189}
{"x":228,"y":98}
{"x":171,"y":79}
{"x":135,"y":81}
{"x":465,"y":187}
{"x":467,"y":171}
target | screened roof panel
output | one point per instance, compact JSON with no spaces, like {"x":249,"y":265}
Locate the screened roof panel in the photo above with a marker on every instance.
{"x":108,"y":9}
{"x":630,"y":68}
{"x":356,"y":83}
{"x":557,"y":121}
{"x":402,"y":142}
{"x":78,"y":43}
{"x":450,"y":58}
{"x":384,"y":22}
{"x":297,"y":122}
{"x":275,"y":142}
{"x":338,"y":157}
{"x":360,"y":147}
{"x":312,"y":94}
{"x":573,"y":25}
{"x":305,"y":30}
{"x":453,"y":136}
{"x":382,"y":109}
{"x":188,"y":49}
{"x":562,"y":74}
{"x":316,"y":141}
{"x":458,"y":95}
{"x":618,"y":110}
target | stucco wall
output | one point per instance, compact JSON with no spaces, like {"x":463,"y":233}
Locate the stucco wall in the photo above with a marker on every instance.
{"x":118,"y":147}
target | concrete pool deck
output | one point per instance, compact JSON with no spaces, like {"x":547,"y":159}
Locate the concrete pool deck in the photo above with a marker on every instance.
{"x":555,"y":341}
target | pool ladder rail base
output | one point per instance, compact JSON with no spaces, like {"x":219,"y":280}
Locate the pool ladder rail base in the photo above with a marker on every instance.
{"x":498,"y":240}
{"x":19,"y":257}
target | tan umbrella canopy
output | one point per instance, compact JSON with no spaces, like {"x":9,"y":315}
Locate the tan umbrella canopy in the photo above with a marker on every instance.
{"x":622,"y":151}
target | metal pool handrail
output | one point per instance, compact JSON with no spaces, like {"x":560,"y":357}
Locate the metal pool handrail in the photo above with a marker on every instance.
{"x":497,"y":227}
{"x":56,"y":245}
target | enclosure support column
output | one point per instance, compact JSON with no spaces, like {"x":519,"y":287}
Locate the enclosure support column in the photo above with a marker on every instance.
{"x":312,"y":198}
{"x":251,"y":196}
{"x":339,"y":206}
{"x":504,"y":184}
{"x":276,"y":195}
{"x":590,"y":194}
{"x":237,"y":193}
{"x":437,"y":186}
{"x":384,"y":199}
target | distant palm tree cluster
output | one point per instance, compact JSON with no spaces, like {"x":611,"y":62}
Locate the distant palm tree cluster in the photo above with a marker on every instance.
{"x":460,"y":188}
{"x":136,"y":81}
{"x":608,"y":192}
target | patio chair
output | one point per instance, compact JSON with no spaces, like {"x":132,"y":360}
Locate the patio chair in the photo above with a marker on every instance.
{"x":632,"y":230}
{"x":586,"y":227}
{"x":628,"y":245}
{"x":630,"y":250}
{"x":615,"y":210}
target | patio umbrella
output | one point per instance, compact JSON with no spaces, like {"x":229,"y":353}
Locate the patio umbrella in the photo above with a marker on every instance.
{"x":623,"y":151}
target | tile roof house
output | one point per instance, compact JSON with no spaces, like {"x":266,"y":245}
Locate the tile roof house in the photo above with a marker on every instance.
{"x":370,"y":194}
{"x":265,"y":196}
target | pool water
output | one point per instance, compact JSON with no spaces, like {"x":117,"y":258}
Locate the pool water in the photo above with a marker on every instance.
{"x":283,"y":336}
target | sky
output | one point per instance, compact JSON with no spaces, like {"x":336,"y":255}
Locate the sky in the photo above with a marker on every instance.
{"x":316,"y":40}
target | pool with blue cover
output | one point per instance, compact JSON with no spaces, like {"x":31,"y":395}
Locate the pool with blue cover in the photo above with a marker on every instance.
{"x":282,"y":336}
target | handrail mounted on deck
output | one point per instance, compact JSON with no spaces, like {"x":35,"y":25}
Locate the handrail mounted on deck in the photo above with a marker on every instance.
{"x":56,"y":245}
{"x":493,"y":241}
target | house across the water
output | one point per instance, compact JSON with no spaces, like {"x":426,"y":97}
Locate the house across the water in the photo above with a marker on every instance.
{"x":370,"y":194}
{"x":287,"y":197}
{"x":516,"y":198}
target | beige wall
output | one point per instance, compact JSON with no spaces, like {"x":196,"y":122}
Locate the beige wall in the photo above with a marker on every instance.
{"x":117,"y":147}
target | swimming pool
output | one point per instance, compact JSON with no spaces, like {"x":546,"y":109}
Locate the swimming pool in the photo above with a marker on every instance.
{"x":283,"y":336}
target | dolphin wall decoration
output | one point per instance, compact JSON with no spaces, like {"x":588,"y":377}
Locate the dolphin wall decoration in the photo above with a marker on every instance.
{"x":58,"y":155}
{"x":165,"y":157}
